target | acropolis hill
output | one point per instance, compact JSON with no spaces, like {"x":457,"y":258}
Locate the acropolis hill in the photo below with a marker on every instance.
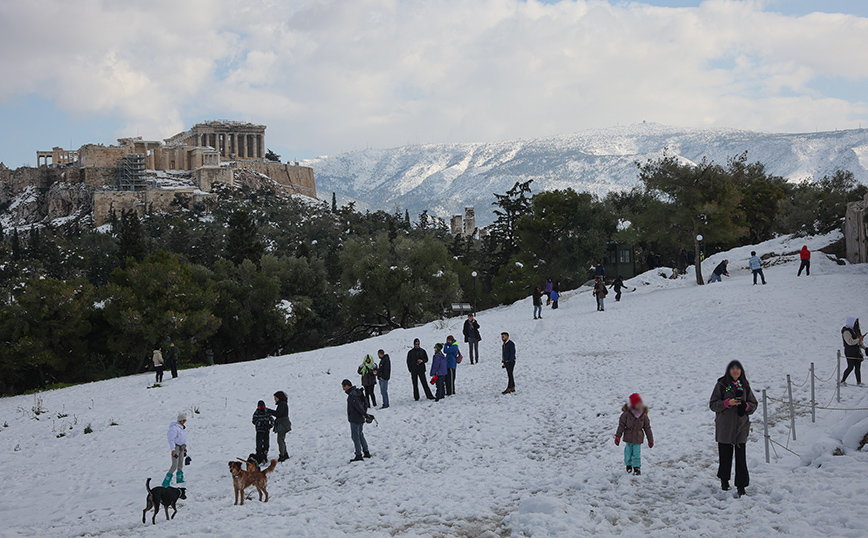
{"x":145,"y":175}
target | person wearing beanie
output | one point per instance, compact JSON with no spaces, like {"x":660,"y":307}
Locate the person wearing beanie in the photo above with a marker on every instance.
{"x":733,"y":402}
{"x":805,"y":256}
{"x":756,"y":267}
{"x":368,"y":371}
{"x":417,"y":357}
{"x":263,"y":422}
{"x":357,"y":414}
{"x":854,"y":343}
{"x":282,"y":424}
{"x":177,"y":437}
{"x":439,"y":371}
{"x":633,"y":426}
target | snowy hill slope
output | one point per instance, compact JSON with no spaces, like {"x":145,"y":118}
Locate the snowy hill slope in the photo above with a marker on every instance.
{"x":444,"y":178}
{"x":539,"y":462}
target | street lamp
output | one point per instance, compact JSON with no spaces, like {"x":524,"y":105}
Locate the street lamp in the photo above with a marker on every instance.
{"x":698,"y":259}
{"x":474,"y":274}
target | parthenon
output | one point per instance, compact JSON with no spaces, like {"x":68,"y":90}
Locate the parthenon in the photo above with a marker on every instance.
{"x":233,"y":140}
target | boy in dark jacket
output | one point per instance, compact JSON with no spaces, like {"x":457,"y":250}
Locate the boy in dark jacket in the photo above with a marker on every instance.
{"x":357,"y":412}
{"x":633,"y":426}
{"x":384,"y":373}
{"x":263,"y":422}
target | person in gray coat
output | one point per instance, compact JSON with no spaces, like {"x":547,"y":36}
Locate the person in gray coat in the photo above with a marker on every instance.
{"x":282,"y":424}
{"x":733,"y":402}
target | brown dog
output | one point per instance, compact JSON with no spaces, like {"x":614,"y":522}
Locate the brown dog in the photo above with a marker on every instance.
{"x":242,"y":479}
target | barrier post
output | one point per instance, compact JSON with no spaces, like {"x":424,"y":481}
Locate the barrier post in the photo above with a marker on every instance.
{"x":792,"y":407}
{"x":838,"y":381}
{"x":813,"y":397}
{"x":766,"y":423}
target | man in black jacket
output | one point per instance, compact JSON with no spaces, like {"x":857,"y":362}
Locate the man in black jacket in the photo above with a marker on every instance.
{"x":417,"y":358}
{"x":719,"y":271}
{"x":384,"y":373}
{"x":508,"y":361}
{"x":357,"y":411}
{"x":172,"y":356}
{"x":472,"y":337}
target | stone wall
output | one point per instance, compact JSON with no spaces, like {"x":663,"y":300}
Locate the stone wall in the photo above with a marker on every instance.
{"x":856,"y":231}
{"x":209,"y":175}
{"x":143,"y":201}
{"x":298,"y":178}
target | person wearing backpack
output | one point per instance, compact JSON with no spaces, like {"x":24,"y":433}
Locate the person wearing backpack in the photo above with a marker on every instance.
{"x":263,"y":422}
{"x":453,"y":357}
{"x":357,"y":412}
{"x":368,"y":371}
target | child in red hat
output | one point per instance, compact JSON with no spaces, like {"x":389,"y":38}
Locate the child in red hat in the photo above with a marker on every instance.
{"x":633,"y":427}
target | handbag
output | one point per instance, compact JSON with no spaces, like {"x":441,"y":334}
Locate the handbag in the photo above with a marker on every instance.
{"x":459,"y":358}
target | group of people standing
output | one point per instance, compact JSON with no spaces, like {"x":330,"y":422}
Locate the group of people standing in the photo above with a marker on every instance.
{"x":161,"y":362}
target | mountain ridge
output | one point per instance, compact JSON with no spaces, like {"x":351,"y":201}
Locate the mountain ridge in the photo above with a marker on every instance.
{"x":445,"y":177}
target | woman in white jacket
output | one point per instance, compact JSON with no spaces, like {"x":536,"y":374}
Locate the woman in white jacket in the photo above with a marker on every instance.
{"x":178,"y":445}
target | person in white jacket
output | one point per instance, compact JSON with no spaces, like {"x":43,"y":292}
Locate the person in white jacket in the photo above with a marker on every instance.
{"x":177,"y":437}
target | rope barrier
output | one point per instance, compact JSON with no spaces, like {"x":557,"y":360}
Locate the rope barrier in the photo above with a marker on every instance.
{"x":805,"y":382}
{"x":834,"y":372}
{"x":782,"y":446}
{"x":818,"y":407}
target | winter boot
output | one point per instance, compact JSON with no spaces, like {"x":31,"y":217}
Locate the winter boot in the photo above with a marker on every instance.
{"x":724,"y":485}
{"x":741,"y":491}
{"x":167,"y":480}
{"x":629,"y":469}
{"x":367,"y":454}
{"x":637,"y":471}
{"x":357,"y":458}
{"x":179,"y":477}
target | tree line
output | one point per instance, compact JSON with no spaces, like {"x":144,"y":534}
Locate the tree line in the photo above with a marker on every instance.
{"x":261,"y":274}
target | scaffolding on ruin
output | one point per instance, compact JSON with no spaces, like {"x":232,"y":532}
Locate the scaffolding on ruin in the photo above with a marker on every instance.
{"x":131,"y":172}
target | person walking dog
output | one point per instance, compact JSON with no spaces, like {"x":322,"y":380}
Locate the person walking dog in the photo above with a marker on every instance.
{"x":177,"y":437}
{"x":282,"y":424}
{"x":733,"y":402}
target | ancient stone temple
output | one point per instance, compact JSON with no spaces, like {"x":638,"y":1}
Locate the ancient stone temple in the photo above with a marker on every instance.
{"x":233,"y":140}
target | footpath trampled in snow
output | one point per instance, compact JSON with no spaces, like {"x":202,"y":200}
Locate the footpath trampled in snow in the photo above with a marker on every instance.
{"x":540,"y":462}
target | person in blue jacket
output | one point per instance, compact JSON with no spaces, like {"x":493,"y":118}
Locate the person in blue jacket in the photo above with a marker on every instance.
{"x":439,"y":372}
{"x":756,"y":266}
{"x":508,"y":361}
{"x":451,"y":351}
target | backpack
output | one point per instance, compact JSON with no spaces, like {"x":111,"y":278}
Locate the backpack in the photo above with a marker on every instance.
{"x":459,"y":358}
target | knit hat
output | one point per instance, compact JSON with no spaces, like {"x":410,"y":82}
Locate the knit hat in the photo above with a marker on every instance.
{"x":182,"y":417}
{"x":261,"y":404}
{"x":635,"y":399}
{"x":438,"y":346}
{"x":851,"y":321}
{"x":416,"y":341}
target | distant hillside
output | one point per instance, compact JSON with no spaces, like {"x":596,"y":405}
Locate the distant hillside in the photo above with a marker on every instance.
{"x":443,"y":178}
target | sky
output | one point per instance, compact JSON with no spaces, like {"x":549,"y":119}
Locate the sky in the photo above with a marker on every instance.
{"x":328,"y":76}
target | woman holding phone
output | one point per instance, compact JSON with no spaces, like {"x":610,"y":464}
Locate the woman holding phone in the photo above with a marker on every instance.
{"x":733,"y":402}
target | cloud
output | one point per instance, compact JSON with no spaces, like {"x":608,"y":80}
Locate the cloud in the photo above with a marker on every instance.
{"x":327,"y":75}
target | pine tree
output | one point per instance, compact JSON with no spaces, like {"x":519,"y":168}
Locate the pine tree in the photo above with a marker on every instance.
{"x":407,"y":217}
{"x":242,"y":239}
{"x":272,"y":156}
{"x":424,"y":220}
{"x":16,"y":245}
{"x":131,"y":238}
{"x":334,"y":203}
{"x":34,"y":245}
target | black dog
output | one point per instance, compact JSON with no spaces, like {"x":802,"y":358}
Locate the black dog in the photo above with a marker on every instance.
{"x":162,"y":496}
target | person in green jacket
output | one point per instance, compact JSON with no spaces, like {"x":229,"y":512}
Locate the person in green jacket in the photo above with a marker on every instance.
{"x":172,"y":359}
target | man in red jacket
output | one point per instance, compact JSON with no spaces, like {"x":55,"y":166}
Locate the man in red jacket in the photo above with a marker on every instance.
{"x":806,"y":261}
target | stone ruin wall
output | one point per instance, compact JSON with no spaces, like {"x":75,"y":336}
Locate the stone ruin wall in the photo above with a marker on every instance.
{"x":298,"y":178}
{"x":104,"y":202}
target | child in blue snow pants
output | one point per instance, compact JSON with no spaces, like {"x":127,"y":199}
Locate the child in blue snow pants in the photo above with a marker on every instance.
{"x":633,"y":426}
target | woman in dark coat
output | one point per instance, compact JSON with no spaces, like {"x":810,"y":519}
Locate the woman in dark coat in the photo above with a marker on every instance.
{"x":733,"y":402}
{"x":282,"y":425}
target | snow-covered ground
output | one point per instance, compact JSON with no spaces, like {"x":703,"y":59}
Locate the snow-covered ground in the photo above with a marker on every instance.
{"x":540,"y":462}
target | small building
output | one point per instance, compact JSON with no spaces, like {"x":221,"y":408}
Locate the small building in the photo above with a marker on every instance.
{"x":469,"y":222}
{"x":856,"y":231}
{"x":455,"y":225}
{"x":620,"y":260}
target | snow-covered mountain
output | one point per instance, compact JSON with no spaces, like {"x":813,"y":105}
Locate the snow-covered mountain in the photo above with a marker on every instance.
{"x":537,"y":463}
{"x":444,"y":178}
